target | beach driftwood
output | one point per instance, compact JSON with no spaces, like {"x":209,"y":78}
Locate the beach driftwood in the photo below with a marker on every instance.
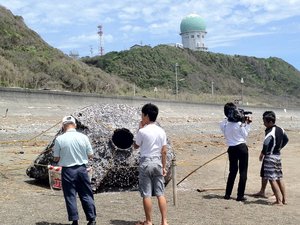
{"x":110,"y":128}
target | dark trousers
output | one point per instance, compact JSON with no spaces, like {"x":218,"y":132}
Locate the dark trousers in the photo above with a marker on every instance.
{"x":238,"y":160}
{"x":75,"y":180}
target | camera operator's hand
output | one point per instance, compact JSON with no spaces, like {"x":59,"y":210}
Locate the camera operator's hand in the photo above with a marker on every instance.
{"x":248,"y":119}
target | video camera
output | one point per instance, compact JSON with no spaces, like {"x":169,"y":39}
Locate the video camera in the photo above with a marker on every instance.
{"x":238,"y":115}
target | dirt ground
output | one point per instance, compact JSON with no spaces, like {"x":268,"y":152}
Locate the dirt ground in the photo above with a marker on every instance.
{"x":28,"y":126}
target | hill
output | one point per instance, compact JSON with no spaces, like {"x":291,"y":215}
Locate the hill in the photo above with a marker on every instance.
{"x":29,"y":62}
{"x":155,"y":67}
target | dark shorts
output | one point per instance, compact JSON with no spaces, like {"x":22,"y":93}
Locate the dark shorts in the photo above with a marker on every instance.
{"x":151,"y":180}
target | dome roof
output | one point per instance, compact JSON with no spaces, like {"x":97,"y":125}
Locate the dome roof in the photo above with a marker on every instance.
{"x":192,"y":22}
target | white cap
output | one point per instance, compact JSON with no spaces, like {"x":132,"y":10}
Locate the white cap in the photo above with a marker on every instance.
{"x":68,"y":119}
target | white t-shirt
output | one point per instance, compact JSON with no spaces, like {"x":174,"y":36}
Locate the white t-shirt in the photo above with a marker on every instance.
{"x":151,"y":138}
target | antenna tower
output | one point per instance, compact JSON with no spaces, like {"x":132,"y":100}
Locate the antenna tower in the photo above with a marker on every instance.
{"x":100,"y":32}
{"x":91,"y":50}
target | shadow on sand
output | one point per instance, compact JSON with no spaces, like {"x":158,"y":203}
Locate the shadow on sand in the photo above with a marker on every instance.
{"x":247,"y":202}
{"x":122,"y":222}
{"x":39,"y":183}
{"x":46,"y":223}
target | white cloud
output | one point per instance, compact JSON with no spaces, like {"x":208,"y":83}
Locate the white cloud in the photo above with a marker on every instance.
{"x":68,"y":46}
{"x":84,"y":38}
{"x":108,"y":38}
{"x":13,"y":4}
{"x":228,"y":40}
{"x":133,"y":29}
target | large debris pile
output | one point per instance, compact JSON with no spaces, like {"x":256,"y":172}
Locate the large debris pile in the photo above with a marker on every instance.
{"x":110,"y":129}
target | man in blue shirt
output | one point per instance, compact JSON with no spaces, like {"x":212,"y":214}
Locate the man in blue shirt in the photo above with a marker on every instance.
{"x":72,"y":150}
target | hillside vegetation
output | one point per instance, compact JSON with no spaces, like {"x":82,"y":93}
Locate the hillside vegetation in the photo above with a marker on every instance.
{"x":29,"y":62}
{"x":155,"y":67}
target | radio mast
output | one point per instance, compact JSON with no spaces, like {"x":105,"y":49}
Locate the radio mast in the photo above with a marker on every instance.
{"x":100,"y":32}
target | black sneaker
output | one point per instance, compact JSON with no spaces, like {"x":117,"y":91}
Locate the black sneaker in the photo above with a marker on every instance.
{"x":91,"y":222}
{"x":227,"y":197}
{"x":75,"y":222}
{"x":241,"y":199}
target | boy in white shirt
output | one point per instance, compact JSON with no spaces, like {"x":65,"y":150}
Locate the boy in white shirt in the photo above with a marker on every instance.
{"x":152,"y":141}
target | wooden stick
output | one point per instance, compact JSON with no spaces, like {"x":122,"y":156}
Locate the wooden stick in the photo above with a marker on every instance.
{"x":210,"y":189}
{"x":174,"y":182}
{"x":200,"y":167}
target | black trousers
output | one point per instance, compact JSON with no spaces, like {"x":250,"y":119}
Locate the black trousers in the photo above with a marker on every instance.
{"x":238,"y":161}
{"x":75,"y":180}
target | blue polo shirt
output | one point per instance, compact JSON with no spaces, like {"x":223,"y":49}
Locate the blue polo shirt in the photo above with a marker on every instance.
{"x":73,"y":148}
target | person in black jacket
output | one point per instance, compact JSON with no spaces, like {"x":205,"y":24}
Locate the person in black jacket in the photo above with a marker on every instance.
{"x":275,"y":140}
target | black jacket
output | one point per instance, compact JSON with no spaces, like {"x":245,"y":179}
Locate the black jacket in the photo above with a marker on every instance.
{"x":275,"y":140}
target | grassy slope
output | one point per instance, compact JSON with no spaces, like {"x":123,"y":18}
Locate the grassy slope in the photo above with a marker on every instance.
{"x":27,"y":61}
{"x":155,"y":67}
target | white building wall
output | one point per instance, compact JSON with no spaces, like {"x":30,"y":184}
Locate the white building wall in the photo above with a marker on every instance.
{"x":194,"y":40}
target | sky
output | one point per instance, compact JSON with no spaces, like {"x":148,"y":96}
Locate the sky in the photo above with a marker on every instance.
{"x":259,"y":28}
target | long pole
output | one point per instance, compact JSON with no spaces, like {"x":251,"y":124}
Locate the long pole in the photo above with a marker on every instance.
{"x":176,"y":80}
{"x":200,"y":167}
{"x":174,"y":181}
{"x":242,"y":84}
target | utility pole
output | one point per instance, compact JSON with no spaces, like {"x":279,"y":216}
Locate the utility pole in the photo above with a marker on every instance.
{"x":176,"y":80}
{"x":133,"y":89}
{"x":100,"y":33}
{"x":91,"y":51}
{"x":242,"y":97}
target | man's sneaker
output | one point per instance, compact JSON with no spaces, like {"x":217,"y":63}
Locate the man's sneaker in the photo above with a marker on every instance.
{"x":91,"y":222}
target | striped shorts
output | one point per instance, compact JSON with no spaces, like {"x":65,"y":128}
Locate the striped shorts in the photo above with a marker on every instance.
{"x":272,"y":167}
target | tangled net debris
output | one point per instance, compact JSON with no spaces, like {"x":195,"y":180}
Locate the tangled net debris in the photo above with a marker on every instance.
{"x":110,"y":129}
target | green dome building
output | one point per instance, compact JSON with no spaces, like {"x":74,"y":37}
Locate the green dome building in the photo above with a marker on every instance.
{"x":193,"y":31}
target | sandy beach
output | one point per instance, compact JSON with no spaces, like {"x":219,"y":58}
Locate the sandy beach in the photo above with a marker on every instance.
{"x":31,"y":123}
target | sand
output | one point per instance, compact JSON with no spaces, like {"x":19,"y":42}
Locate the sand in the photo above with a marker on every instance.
{"x":194,"y":133}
